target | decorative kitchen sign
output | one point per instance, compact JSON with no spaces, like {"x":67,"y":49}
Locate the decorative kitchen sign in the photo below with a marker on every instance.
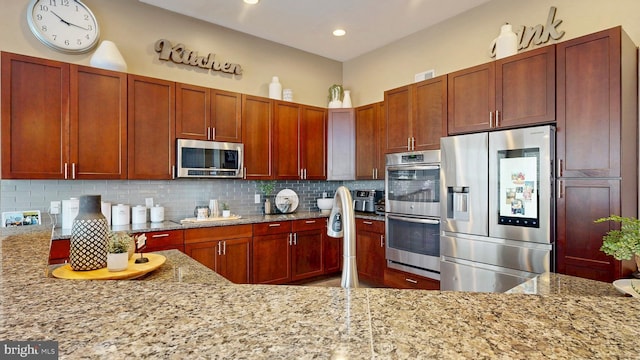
{"x":538,"y":34}
{"x":179,"y":54}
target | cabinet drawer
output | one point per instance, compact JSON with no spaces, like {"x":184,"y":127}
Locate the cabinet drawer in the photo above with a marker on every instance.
{"x":217,"y":233}
{"x":309,"y":224}
{"x":370,"y":225}
{"x":402,"y":280}
{"x":163,"y":239}
{"x":276,"y":227}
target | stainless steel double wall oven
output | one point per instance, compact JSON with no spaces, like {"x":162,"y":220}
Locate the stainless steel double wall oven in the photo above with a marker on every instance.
{"x":412,"y":212}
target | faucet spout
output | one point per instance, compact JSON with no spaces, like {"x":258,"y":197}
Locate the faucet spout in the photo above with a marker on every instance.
{"x":342,"y":224}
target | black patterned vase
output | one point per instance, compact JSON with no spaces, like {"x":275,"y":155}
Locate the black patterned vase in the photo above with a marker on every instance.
{"x":89,"y":235}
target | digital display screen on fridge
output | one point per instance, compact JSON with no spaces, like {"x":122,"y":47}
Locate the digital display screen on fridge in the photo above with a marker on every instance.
{"x":518,"y":185}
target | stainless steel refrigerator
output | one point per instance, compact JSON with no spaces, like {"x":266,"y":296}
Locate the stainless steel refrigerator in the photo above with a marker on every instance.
{"x":497,"y":208}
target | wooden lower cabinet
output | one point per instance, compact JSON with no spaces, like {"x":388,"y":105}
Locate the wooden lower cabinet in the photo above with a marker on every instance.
{"x":402,"y":280}
{"x":370,"y":250}
{"x":288,"y":251}
{"x":59,"y":251}
{"x":332,"y":255}
{"x":224,"y":249}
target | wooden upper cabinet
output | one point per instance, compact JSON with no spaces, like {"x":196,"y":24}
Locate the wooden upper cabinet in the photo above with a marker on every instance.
{"x":98,"y":123}
{"x":208,"y":114}
{"x":526,"y":88}
{"x":192,"y":112}
{"x":341,"y":144}
{"x":226,"y":116}
{"x":398,"y":104}
{"x":471,"y":100}
{"x":257,"y":130}
{"x":416,"y":116}
{"x":429,"y":117}
{"x":370,"y":161}
{"x":514,"y":91}
{"x":35,"y":118}
{"x":151,"y":125}
{"x":286,"y":157}
{"x":596,"y":105}
{"x":313,"y":142}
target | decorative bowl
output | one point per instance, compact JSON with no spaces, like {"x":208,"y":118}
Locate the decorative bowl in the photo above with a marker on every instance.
{"x":325,"y":205}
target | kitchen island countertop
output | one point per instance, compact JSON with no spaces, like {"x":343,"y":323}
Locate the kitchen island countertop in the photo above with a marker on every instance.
{"x":206,"y":317}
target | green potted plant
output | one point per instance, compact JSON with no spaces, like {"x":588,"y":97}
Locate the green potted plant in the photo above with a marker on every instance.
{"x":623,"y":243}
{"x":225,"y":210}
{"x":267,"y":187}
{"x":118,"y":253}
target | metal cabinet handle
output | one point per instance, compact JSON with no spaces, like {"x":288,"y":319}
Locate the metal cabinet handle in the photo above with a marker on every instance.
{"x":213,"y":133}
{"x":409,"y":144}
{"x":367,"y":222}
{"x":373,"y":173}
{"x":73,"y":171}
{"x":561,"y":190}
{"x":173,"y":172}
{"x":490,"y":119}
{"x":290,"y":239}
{"x":413,"y":143}
{"x":381,"y":241}
{"x":66,"y":166}
{"x":560,"y":165}
{"x":295,"y":239}
{"x":219,"y":247}
{"x":497,"y":118}
{"x":224,"y":248}
{"x":411,"y":281}
{"x":310,"y":222}
{"x":159,"y":235}
{"x":244,"y":173}
{"x":274,"y":225}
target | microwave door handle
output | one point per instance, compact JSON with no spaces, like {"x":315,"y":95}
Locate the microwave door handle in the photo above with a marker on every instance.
{"x":413,"y":167}
{"x":414,"y":220}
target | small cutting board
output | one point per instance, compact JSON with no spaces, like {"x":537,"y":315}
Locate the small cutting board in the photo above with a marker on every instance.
{"x":134,"y":270}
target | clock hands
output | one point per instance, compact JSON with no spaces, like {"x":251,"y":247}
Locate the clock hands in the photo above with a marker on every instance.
{"x":68,"y":23}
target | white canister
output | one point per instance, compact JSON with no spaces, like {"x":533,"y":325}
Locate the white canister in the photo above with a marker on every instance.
{"x":105,"y":207}
{"x":275,"y":89}
{"x":287,"y":95}
{"x":120,"y":215}
{"x":139,"y":214}
{"x":70,"y":209}
{"x":157,"y":214}
{"x":507,"y":42}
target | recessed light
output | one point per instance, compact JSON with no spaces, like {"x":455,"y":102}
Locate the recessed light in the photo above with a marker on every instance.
{"x":339,"y":32}
{"x":251,"y":2}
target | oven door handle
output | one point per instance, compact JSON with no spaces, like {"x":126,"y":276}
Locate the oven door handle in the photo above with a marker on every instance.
{"x":413,"y":167}
{"x":414,"y":220}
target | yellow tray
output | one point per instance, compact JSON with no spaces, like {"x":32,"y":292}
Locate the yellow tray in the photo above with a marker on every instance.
{"x":134,"y":270}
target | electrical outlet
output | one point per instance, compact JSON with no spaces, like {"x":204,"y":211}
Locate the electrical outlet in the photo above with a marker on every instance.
{"x":256,"y":198}
{"x":54,"y":209}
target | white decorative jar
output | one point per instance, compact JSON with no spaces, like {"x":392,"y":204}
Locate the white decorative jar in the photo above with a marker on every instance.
{"x":346,"y":100}
{"x":507,"y":42}
{"x":226,"y":213}
{"x":275,"y":89}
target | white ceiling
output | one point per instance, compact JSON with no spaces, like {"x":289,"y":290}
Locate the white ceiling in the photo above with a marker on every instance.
{"x":307,"y":24}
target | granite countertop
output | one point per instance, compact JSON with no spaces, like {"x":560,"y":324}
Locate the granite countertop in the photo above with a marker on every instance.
{"x":167,"y":225}
{"x":161,"y":317}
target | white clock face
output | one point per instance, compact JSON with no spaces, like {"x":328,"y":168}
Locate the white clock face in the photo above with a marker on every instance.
{"x":64,"y":25}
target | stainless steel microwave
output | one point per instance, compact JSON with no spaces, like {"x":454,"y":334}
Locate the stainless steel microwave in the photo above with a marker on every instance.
{"x":209,"y":159}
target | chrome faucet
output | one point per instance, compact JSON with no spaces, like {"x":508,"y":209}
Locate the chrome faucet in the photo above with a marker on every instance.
{"x":342,"y":224}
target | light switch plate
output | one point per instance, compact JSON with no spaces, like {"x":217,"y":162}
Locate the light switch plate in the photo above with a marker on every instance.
{"x":257,"y":198}
{"x":54,"y":209}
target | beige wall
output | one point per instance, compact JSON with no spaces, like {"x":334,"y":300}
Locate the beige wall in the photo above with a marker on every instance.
{"x":464,"y":41}
{"x":135,"y":27}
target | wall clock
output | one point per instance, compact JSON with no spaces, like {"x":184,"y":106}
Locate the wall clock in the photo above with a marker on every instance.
{"x":64,"y":25}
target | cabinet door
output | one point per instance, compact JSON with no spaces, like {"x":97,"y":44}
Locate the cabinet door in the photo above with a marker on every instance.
{"x":98,"y":139}
{"x":589,"y":99}
{"x":151,"y":135}
{"x":429,"y":119}
{"x":332,"y":255}
{"x":203,"y":252}
{"x":367,"y":144}
{"x":397,"y":103}
{"x":471,"y":99}
{"x":234,"y":260}
{"x":35,"y":118}
{"x":226,"y":116}
{"x":313,"y":142}
{"x":306,"y":257}
{"x":579,"y":239}
{"x":192,"y":112}
{"x":370,"y":248}
{"x":257,"y":130}
{"x":341,"y":144}
{"x":271,"y":259}
{"x":286,"y":134}
{"x":526,"y":88}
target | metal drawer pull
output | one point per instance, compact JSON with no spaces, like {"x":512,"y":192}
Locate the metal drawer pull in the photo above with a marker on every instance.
{"x":159,"y":235}
{"x":274,"y":225}
{"x":310,"y":222}
{"x":411,"y":281}
{"x":367,"y":222}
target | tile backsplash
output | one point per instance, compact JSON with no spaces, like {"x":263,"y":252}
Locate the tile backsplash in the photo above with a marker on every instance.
{"x":179,"y":197}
